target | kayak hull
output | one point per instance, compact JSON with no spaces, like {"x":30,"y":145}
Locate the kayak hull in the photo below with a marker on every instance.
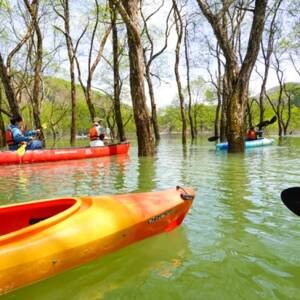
{"x":248,"y":144}
{"x":82,"y":230}
{"x":49,"y":155}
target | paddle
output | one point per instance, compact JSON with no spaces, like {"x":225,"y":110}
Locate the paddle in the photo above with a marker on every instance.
{"x":273,"y":120}
{"x":213,"y":138}
{"x":291,"y":199}
{"x":266,"y":122}
{"x":21,"y":150}
{"x":259,"y":125}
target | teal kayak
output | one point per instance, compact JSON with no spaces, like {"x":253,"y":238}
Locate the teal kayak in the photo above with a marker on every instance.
{"x":248,"y":144}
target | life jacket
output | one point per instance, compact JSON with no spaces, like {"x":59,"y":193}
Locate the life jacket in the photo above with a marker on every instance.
{"x":9,"y":138}
{"x":251,"y":135}
{"x":93,"y":134}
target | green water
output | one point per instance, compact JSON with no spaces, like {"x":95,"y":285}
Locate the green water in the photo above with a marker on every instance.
{"x":238,"y":241}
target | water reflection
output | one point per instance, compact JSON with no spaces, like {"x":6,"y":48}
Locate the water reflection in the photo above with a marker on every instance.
{"x":77,"y":178}
{"x":146,"y":180}
{"x":239,"y":241}
{"x":129,"y":272}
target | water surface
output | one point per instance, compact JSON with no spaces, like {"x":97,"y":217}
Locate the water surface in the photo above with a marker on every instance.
{"x":238,"y":241}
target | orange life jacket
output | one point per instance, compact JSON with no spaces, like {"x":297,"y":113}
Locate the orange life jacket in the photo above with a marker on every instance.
{"x":251,"y":135}
{"x":9,"y":138}
{"x":93,"y":134}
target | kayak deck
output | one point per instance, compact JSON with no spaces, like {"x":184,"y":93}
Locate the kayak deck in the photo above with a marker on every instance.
{"x":55,"y":235}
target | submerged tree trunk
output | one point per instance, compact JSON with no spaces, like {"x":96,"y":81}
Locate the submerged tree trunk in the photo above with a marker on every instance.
{"x":187,"y":61}
{"x":237,"y":73}
{"x":91,"y":65}
{"x":130,"y":14}
{"x":235,"y":117}
{"x":179,"y":30}
{"x":152,"y":101}
{"x":116,"y":67}
{"x":219,"y":95}
{"x":65,"y":16}
{"x":153,"y":106}
{"x":273,"y":28}
{"x":36,"y":92}
{"x":150,"y":59}
{"x":71,"y":56}
{"x":223,"y":121}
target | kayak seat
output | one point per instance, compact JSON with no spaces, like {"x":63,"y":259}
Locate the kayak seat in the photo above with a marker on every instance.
{"x":14,"y":218}
{"x":33,"y":221}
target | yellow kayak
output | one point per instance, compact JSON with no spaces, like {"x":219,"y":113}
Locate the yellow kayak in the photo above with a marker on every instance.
{"x":42,"y":238}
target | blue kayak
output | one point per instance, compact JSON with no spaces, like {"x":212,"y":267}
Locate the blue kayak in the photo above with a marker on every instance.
{"x":248,"y":144}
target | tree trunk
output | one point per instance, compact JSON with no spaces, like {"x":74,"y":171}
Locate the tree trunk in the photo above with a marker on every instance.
{"x":2,"y":126}
{"x":238,"y":74}
{"x":219,"y":94}
{"x":116,"y":67}
{"x":73,"y":105}
{"x":217,"y":114}
{"x":192,"y":128}
{"x":223,"y":122}
{"x":36,"y":92}
{"x":150,"y":59}
{"x":71,"y":56}
{"x":88,"y":99}
{"x":179,"y":30}
{"x":279,"y":128}
{"x":153,"y":102}
{"x":136,"y":59}
{"x":249,"y":114}
{"x":8,"y":88}
{"x":235,"y":117}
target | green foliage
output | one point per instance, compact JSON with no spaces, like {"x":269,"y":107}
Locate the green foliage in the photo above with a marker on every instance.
{"x":56,"y":109}
{"x":204,"y":113}
{"x":4,"y":5}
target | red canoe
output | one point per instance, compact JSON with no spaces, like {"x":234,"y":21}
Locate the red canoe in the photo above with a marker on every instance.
{"x":47,"y":155}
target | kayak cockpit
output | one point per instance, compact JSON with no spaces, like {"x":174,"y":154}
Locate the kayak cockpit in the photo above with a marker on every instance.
{"x":19,"y":219}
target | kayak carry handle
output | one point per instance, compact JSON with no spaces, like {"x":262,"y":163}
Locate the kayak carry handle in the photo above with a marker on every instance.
{"x":185,"y":195}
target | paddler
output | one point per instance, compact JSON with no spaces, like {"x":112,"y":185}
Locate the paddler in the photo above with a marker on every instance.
{"x":251,"y":134}
{"x":96,"y":133}
{"x":15,"y":136}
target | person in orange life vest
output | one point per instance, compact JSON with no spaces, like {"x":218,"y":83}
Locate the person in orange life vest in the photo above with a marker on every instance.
{"x":95,"y":133}
{"x":251,"y":134}
{"x":15,"y":136}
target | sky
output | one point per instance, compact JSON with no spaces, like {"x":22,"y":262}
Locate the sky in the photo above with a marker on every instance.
{"x":166,"y":90}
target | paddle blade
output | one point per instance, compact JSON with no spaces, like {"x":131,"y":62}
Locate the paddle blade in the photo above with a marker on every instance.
{"x":213,"y":138}
{"x":273,"y":120}
{"x":291,"y":199}
{"x":263,"y":124}
{"x":21,"y":150}
{"x":44,"y":125}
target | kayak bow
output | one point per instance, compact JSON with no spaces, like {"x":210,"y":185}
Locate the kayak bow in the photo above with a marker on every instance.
{"x":42,"y":238}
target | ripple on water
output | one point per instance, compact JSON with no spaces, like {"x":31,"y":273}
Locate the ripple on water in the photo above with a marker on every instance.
{"x":238,"y":241}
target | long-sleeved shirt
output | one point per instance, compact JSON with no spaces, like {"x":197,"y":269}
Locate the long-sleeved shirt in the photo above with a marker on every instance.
{"x":19,"y":136}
